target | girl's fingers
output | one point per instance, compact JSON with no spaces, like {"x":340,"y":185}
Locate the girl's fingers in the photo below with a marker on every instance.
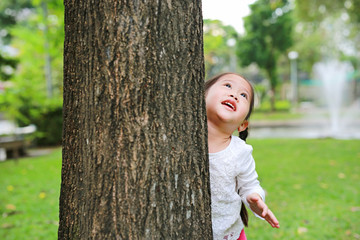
{"x":270,"y":218}
{"x":265,"y":211}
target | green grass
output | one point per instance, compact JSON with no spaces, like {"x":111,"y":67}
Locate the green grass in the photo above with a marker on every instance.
{"x":29,"y":197}
{"x":313,"y":188}
{"x":312,"y":185}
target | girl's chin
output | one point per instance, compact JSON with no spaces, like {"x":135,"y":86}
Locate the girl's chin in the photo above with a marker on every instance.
{"x":229,"y":123}
{"x":227,"y":118}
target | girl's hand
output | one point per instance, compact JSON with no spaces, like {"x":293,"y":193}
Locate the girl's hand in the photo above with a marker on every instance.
{"x":259,"y":207}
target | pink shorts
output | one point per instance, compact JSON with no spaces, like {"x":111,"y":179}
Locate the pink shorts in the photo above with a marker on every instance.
{"x":242,"y":235}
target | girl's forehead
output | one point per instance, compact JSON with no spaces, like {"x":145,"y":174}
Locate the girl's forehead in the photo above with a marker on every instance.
{"x":234,"y":79}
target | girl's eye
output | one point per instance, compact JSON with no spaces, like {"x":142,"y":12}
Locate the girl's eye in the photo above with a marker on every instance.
{"x":228,"y":85}
{"x":244,"y":95}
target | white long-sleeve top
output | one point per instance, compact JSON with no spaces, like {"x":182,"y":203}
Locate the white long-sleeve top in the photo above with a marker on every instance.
{"x":232,"y":178}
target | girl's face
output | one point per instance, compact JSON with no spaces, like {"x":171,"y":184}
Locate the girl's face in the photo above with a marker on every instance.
{"x":228,"y":102}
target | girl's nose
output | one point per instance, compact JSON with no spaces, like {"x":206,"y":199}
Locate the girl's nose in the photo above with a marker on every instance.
{"x":234,"y":97}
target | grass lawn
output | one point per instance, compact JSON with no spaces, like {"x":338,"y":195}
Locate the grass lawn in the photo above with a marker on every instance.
{"x":29,"y":197}
{"x":312,"y":185}
{"x":313,"y":188}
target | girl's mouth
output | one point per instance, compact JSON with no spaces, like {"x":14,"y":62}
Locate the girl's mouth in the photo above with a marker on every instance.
{"x":229,"y":104}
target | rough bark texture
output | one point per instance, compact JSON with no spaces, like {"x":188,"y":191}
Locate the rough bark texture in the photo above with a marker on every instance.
{"x":134,"y":140}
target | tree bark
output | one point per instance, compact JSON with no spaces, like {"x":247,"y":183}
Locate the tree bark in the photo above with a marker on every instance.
{"x":135,"y":162}
{"x":271,"y":73}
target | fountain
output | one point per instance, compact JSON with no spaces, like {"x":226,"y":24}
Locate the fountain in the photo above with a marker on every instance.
{"x":335,"y":114}
{"x":335,"y":92}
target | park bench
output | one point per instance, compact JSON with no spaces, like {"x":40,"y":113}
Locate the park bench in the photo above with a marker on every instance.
{"x":13,"y":143}
{"x":12,"y":147}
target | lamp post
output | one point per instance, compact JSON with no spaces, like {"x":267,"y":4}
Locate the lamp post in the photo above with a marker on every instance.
{"x":231,"y":44}
{"x":293,"y":76}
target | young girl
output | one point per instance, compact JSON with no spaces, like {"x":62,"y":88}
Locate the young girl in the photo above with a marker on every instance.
{"x":233,"y":179}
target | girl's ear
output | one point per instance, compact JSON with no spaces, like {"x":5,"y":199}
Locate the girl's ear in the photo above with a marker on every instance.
{"x":243,"y":126}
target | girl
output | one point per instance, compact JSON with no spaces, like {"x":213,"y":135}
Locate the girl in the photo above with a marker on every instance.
{"x":233,"y":179}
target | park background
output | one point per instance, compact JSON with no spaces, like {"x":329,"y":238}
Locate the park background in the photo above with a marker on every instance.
{"x":310,"y":173}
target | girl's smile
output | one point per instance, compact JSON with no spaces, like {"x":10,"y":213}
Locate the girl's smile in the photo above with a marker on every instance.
{"x":230,"y":104}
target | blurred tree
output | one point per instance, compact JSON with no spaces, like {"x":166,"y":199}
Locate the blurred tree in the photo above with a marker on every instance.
{"x":328,"y":29}
{"x":268,"y":34}
{"x":38,"y":40}
{"x":317,"y":11}
{"x":334,"y":22}
{"x":10,"y":12}
{"x":219,"y":42}
{"x":7,"y":66}
{"x":309,"y":45}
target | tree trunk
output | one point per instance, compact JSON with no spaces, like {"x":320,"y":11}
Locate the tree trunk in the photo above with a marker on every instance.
{"x":271,"y":72}
{"x":135,"y":160}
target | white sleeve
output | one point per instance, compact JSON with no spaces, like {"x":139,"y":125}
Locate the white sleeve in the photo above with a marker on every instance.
{"x":247,"y":180}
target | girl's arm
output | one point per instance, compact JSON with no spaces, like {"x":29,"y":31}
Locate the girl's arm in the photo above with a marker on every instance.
{"x":251,"y":192}
{"x":247,"y":180}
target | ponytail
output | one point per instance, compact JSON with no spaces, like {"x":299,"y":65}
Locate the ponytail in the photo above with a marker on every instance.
{"x":244,"y":215}
{"x":244,"y":134}
{"x":243,"y":212}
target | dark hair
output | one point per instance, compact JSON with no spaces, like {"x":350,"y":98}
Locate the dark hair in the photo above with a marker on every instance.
{"x":244,"y":215}
{"x":243,"y":134}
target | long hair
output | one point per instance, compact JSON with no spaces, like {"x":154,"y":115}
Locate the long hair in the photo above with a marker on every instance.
{"x":243,"y":134}
{"x":243,"y":212}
